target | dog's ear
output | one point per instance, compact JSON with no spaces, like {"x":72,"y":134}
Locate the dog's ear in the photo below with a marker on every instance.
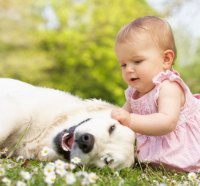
{"x":96,"y":105}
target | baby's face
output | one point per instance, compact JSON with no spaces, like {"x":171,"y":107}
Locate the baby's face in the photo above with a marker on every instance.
{"x":140,"y":59}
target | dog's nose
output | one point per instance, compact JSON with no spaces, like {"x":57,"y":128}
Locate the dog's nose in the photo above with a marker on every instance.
{"x":85,"y":142}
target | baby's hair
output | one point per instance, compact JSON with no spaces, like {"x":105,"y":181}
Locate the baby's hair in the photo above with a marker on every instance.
{"x":159,"y":30}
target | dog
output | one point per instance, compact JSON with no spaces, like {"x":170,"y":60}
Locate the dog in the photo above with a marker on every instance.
{"x":32,"y":118}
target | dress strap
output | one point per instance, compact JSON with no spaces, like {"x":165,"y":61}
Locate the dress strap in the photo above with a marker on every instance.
{"x":197,"y":96}
{"x":171,"y":76}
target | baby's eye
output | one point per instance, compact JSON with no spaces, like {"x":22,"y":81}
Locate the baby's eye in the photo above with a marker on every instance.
{"x":138,"y":62}
{"x":123,"y":65}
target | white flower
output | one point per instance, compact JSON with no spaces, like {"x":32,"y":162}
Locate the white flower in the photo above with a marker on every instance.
{"x":2,"y":171}
{"x":19,"y":158}
{"x":45,"y":151}
{"x":60,"y":164}
{"x":50,"y":164}
{"x":70,"y":178}
{"x":81,"y":174}
{"x":192,"y":176}
{"x":61,"y":172}
{"x":70,"y":166}
{"x":50,"y":179}
{"x":121,"y":182}
{"x":25,"y":175}
{"x":9,"y":166}
{"x":49,"y":169}
{"x":92,"y":177}
{"x":116,"y":173}
{"x":85,"y":181}
{"x":35,"y":169}
{"x":76,"y":160}
{"x":173,"y":182}
{"x":20,"y":183}
{"x":186,"y":183}
{"x":6,"y":181}
{"x":87,"y":178}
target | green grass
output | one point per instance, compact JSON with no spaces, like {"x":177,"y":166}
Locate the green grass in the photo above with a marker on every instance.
{"x":11,"y":170}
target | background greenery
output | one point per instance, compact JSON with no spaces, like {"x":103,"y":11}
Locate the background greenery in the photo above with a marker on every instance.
{"x":69,"y":45}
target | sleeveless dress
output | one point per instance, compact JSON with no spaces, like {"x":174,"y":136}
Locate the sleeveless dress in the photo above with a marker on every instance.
{"x":179,"y":149}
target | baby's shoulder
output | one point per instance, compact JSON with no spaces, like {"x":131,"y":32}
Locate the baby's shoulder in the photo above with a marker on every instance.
{"x":171,"y":86}
{"x":173,"y":90}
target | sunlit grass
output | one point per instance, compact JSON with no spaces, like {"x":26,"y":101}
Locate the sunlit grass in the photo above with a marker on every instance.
{"x":22,"y":172}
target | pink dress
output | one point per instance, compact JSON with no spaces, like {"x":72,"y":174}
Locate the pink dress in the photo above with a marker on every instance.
{"x":179,"y":149}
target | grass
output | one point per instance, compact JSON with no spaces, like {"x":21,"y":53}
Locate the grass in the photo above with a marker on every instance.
{"x":22,"y":172}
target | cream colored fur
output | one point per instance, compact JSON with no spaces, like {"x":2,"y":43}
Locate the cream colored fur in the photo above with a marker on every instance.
{"x":41,"y":113}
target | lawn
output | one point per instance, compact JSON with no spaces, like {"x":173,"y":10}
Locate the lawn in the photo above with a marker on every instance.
{"x":22,"y":172}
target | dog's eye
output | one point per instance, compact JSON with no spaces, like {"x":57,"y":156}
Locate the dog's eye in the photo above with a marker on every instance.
{"x":111,"y":129}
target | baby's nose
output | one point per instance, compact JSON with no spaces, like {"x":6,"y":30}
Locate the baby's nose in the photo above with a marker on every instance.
{"x":130,"y":68}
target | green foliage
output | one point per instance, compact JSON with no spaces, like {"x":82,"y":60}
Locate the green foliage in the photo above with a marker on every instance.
{"x":190,"y":72}
{"x":84,"y":50}
{"x":77,"y":55}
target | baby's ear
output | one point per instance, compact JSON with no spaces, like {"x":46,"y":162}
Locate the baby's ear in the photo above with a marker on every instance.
{"x":168,"y":59}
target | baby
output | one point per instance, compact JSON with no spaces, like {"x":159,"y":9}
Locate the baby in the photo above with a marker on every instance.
{"x":159,"y":106}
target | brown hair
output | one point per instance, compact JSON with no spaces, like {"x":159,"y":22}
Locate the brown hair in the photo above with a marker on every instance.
{"x":159,"y":30}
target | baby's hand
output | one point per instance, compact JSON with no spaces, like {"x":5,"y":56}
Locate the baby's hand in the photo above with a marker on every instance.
{"x":122,"y":116}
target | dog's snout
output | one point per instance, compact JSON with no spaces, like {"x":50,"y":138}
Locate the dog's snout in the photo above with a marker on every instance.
{"x":85,"y":142}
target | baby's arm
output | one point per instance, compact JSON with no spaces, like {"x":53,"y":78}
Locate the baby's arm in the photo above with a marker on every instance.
{"x":171,"y":99}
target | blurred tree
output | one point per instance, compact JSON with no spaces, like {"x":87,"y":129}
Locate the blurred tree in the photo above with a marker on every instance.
{"x":83,"y":46}
{"x":190,"y":72}
{"x":67,"y":45}
{"x":20,"y":56}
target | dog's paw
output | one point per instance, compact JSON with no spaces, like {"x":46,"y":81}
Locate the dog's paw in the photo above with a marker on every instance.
{"x":107,"y":158}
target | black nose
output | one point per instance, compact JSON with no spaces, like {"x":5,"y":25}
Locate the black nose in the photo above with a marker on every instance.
{"x":85,"y":142}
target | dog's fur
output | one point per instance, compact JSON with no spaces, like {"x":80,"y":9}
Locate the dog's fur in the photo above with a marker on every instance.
{"x":40,"y":116}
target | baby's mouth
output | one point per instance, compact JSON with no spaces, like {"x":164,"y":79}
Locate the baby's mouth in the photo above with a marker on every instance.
{"x":134,"y":79}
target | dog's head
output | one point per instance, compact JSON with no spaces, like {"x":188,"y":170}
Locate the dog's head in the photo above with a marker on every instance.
{"x":98,"y":140}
